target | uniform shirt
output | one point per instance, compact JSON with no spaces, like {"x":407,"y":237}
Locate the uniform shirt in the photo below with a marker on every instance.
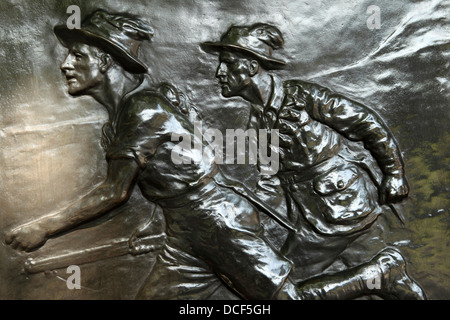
{"x":146,"y":124}
{"x":322,"y":118}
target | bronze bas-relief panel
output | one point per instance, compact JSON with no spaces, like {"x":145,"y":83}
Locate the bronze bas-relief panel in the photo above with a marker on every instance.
{"x":356,"y":92}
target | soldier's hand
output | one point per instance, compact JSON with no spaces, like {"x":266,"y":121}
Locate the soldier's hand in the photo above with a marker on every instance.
{"x":27,"y":237}
{"x":393,"y":189}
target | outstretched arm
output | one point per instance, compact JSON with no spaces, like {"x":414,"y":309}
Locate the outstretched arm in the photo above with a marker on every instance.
{"x":358,"y":123}
{"x":113,"y":192}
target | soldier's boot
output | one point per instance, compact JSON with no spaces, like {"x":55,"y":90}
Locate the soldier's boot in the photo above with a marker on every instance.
{"x":395,"y":283}
{"x":385,"y":276}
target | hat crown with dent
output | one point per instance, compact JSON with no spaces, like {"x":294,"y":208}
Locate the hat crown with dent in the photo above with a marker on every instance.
{"x":258,"y":40}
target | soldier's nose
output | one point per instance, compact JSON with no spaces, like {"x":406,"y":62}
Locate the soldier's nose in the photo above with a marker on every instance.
{"x":220,"y":70}
{"x":66,"y":65}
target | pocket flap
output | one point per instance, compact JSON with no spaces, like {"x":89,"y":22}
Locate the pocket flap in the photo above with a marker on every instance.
{"x":336,"y":180}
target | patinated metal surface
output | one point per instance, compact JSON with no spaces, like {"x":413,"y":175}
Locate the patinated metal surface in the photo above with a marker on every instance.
{"x":357,"y":90}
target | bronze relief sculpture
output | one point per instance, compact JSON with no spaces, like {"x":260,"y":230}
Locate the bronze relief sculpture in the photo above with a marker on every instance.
{"x":217,"y":242}
{"x":209,"y":227}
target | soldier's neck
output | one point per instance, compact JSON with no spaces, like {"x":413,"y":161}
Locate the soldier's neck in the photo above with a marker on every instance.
{"x":111,"y":91}
{"x":260,"y":90}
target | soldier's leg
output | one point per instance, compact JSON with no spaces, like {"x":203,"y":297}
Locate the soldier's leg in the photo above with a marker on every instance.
{"x":179,"y":275}
{"x":385,"y":275}
{"x":310,"y":251}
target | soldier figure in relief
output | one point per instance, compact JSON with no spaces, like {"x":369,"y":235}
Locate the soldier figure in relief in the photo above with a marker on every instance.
{"x":333,"y":193}
{"x":215,"y":246}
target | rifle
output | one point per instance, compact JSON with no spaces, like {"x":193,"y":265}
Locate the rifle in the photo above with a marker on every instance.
{"x":117,"y":248}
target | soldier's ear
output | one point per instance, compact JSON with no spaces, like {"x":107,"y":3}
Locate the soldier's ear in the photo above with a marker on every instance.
{"x":106,"y":61}
{"x":254,"y":67}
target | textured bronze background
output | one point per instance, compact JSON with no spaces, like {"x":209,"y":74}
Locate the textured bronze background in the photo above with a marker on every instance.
{"x":50,"y":147}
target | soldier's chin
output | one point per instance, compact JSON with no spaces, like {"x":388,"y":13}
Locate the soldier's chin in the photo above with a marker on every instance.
{"x":75,"y":92}
{"x":226,"y":92}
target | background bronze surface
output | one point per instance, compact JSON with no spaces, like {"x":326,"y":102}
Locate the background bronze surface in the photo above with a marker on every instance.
{"x":50,"y":151}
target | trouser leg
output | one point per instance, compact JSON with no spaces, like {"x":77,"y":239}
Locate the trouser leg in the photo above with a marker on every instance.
{"x":179,"y":275}
{"x":385,"y":275}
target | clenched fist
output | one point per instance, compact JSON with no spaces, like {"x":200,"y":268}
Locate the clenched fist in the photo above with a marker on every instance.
{"x":393,"y":189}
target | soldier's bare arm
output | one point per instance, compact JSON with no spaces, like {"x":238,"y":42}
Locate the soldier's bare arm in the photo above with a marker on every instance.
{"x":113,"y":192}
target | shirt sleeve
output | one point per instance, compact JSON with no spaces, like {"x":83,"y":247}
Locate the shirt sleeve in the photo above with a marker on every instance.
{"x":138,"y":132}
{"x":356,"y":122}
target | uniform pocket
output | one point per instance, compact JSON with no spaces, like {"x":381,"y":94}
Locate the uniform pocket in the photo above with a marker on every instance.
{"x":334,"y":181}
{"x":343,"y":194}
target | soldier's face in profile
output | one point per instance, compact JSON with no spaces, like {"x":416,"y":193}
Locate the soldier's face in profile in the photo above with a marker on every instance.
{"x":233,"y":73}
{"x":82,"y":68}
